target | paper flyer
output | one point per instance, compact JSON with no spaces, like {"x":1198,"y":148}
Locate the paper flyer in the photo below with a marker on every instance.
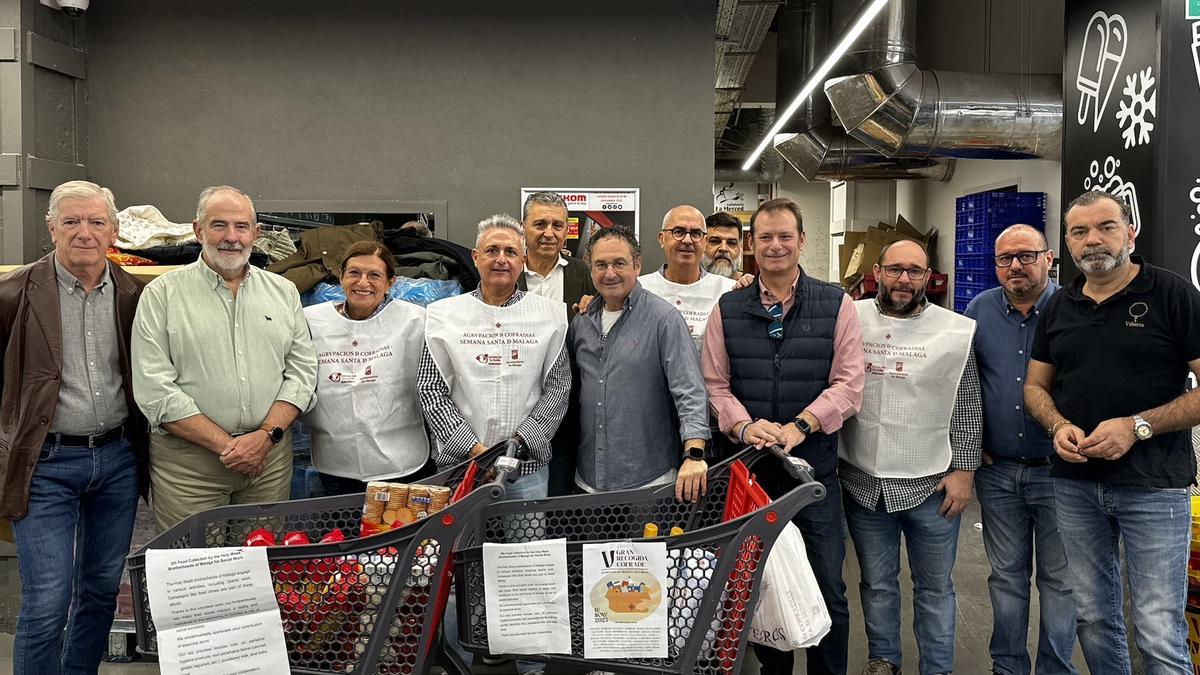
{"x":215,"y":611}
{"x":624,"y":602}
{"x":526,"y":598}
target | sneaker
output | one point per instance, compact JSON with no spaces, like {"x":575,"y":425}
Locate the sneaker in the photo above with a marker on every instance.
{"x":881,"y":667}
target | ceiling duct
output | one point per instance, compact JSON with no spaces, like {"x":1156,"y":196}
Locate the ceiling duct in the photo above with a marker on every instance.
{"x":828,"y":154}
{"x":901,"y":110}
{"x":741,"y":28}
{"x":770,"y":165}
{"x":817,"y":148}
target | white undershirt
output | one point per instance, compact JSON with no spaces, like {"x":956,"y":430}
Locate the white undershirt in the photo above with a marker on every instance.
{"x":668,"y":477}
{"x":608,"y":318}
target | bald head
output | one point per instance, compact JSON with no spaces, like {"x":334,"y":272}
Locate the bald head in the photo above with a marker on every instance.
{"x":682,"y":240}
{"x":682,"y":212}
{"x":1020,"y":231}
{"x":1023,"y":262}
{"x":904,"y":249}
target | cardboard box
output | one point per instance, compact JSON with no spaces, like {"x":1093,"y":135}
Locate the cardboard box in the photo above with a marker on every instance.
{"x":860,"y":250}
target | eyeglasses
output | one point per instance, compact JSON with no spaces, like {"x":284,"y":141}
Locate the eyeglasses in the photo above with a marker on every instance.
{"x":914,"y":273}
{"x":617,"y":266}
{"x":678,"y":233}
{"x":355,"y":275}
{"x":1025,"y":257}
{"x":775,"y":330}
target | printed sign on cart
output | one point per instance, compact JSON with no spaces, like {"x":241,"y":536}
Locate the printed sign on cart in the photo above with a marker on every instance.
{"x":624,"y":603}
{"x":215,"y":612}
{"x":526,"y":598}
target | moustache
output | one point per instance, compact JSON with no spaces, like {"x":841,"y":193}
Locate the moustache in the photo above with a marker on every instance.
{"x":231,"y":247}
{"x":1097,"y":250}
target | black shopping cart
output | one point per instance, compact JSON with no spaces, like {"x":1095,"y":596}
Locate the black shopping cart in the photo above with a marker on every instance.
{"x":370,"y":605}
{"x":714,"y":566}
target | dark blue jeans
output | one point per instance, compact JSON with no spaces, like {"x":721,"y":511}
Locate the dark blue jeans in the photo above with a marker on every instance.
{"x":820,"y":525}
{"x":1019,"y":517}
{"x":71,"y":548}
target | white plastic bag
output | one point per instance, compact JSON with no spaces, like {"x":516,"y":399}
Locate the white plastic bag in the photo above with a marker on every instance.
{"x":791,"y":613}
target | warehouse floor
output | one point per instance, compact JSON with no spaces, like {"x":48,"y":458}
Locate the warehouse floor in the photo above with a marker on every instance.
{"x":970,"y":574}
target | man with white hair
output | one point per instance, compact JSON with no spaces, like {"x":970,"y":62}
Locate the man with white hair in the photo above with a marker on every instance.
{"x":681,"y":281}
{"x":495,"y":367}
{"x":72,"y":444}
{"x":223,"y":365}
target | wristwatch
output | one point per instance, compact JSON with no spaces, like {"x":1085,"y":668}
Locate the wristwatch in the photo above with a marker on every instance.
{"x":1142,"y":428}
{"x":693,"y":453}
{"x":803,"y":425}
{"x":275,"y":433}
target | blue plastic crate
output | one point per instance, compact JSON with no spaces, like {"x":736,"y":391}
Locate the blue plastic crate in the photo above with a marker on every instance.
{"x":969,"y":289}
{"x":987,"y":200}
{"x":1001,"y":216}
{"x":989,"y":221}
{"x":979,"y":262}
{"x":974,"y":277}
{"x":973,"y":246}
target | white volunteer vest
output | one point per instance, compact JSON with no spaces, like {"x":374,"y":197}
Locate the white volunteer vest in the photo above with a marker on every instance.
{"x":495,"y":359}
{"x":694,"y":301}
{"x":912,"y":373}
{"x":367,"y":422}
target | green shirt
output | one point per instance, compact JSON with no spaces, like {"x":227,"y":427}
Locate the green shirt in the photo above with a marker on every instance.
{"x":198,"y":349}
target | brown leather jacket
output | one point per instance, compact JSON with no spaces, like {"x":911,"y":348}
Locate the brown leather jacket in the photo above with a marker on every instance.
{"x":31,"y":333}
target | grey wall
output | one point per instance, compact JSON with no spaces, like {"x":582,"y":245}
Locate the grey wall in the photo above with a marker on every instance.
{"x":464,"y":102}
{"x":991,"y":36}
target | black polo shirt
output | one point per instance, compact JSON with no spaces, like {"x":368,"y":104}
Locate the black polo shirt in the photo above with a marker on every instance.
{"x":1124,"y":356}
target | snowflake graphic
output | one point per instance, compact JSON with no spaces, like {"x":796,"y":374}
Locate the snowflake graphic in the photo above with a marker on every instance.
{"x":1139,"y":105}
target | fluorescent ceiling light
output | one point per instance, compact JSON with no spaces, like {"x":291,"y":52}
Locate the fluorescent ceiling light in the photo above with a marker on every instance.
{"x":818,"y":76}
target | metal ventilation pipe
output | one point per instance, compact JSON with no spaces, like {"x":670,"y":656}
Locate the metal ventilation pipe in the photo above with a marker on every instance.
{"x":900,"y":110}
{"x":827,"y":154}
{"x":816,"y":148}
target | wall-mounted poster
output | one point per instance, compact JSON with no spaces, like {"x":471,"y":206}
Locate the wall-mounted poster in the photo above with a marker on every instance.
{"x":591,"y":209}
{"x":735,"y":196}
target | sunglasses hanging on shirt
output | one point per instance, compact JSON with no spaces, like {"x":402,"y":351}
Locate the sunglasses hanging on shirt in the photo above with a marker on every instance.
{"x":775,"y":330}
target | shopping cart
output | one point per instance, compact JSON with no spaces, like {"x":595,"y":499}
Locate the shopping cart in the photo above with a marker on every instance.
{"x":370,"y":605}
{"x":714,"y":566}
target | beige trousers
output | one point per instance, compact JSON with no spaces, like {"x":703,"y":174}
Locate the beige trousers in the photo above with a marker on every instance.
{"x":187,"y":479}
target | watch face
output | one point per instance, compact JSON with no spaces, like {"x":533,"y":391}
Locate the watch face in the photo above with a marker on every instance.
{"x":1142,"y":431}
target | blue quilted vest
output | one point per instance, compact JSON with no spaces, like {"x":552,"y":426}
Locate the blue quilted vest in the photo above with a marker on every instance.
{"x":776,"y":379}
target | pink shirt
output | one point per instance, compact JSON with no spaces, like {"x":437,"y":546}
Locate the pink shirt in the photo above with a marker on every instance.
{"x":840,"y":401}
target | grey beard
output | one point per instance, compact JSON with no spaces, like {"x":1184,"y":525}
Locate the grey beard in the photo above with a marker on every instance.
{"x":1106,"y":264}
{"x":718,"y":266}
{"x":211,"y":252}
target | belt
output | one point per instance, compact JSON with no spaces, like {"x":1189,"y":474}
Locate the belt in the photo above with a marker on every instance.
{"x":93,"y":441}
{"x":1029,"y":461}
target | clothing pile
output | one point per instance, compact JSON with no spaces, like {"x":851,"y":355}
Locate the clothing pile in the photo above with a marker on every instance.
{"x":147,"y":234}
{"x":319,"y":255}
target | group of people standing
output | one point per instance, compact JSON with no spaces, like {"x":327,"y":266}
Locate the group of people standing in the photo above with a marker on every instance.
{"x":1064,"y":409}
